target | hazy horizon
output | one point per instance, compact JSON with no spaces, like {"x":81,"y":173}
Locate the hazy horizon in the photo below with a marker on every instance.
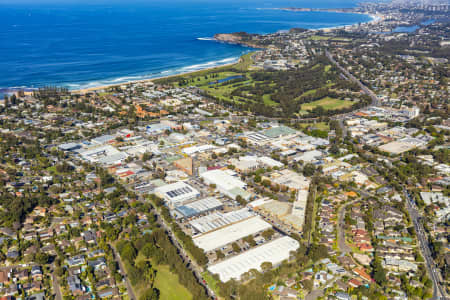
{"x":93,"y":2}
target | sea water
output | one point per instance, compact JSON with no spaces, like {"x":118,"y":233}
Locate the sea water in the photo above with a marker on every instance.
{"x":84,"y":44}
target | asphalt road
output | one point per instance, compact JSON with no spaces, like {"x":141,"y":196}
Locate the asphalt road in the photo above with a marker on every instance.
{"x":56,"y":287}
{"x":315,"y":294}
{"x":320,"y":291}
{"x":343,"y":247}
{"x":131,"y":294}
{"x":367,"y":91}
{"x":438,"y":291}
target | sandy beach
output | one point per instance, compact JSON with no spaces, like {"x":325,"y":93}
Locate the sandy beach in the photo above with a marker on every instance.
{"x":98,"y":88}
{"x":374,"y":19}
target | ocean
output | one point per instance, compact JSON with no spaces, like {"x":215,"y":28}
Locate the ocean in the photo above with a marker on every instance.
{"x":86,"y":44}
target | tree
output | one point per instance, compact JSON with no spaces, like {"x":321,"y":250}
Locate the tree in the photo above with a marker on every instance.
{"x":317,"y":252}
{"x":379,"y":274}
{"x":59,"y":271}
{"x":257,"y":178}
{"x":266,"y":266}
{"x":236,"y":247}
{"x":150,"y":274}
{"x":41,"y":258}
{"x":245,"y":276}
{"x":148,"y":250}
{"x":309,"y":169}
{"x":13,"y":99}
{"x":219,"y":254}
{"x":146,"y":156}
{"x":267,"y":234}
{"x":128,"y":252}
{"x":6,"y":103}
{"x":250,"y":240}
{"x":266,"y":182}
{"x":334,"y":149}
{"x":240,"y":200}
{"x":150,"y":294}
{"x":308,"y":284}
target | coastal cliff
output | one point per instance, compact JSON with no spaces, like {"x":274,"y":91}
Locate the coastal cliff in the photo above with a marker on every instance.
{"x":240,"y":38}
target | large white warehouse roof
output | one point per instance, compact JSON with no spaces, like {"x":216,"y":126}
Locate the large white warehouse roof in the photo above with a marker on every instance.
{"x":231,"y":233}
{"x":274,"y":252}
{"x":223,"y":180}
{"x":217,"y":220}
{"x":177,"y":193}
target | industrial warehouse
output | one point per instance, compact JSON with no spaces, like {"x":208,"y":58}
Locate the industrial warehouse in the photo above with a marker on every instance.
{"x":273,"y":252}
{"x":229,"y":234}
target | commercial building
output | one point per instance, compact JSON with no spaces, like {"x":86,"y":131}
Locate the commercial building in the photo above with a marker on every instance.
{"x":106,"y":155}
{"x":226,"y":183}
{"x":198,"y":207}
{"x":198,"y":149}
{"x":270,"y":162}
{"x":289,"y":179}
{"x":70,"y":146}
{"x":250,"y":163}
{"x":177,"y":193}
{"x":185,"y":164}
{"x":292,"y":215}
{"x":217,"y":220}
{"x":226,"y":235}
{"x":309,"y":156}
{"x":299,"y":207}
{"x":158,"y":128}
{"x":101,"y":140}
{"x":245,"y":164}
{"x":274,"y":252}
{"x":278,"y":131}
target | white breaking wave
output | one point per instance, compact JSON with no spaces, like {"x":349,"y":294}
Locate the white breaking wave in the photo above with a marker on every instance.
{"x":210,"y":64}
{"x":206,"y":39}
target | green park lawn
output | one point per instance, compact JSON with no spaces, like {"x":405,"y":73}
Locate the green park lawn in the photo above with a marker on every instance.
{"x":268,"y":101}
{"x":167,"y":283}
{"x":319,"y":37}
{"x":245,"y":63}
{"x":319,"y":125}
{"x":223,"y":91}
{"x":201,"y":80}
{"x":327,"y":103}
{"x":223,"y":72}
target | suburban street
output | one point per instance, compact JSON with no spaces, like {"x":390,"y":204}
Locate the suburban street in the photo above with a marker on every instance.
{"x":438,"y":291}
{"x":319,"y":292}
{"x":131,"y":294}
{"x":315,"y":294}
{"x":55,"y":284}
{"x":343,"y":247}
{"x":367,"y":91}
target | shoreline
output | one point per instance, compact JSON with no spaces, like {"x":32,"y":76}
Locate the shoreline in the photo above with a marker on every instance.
{"x":83,"y":90}
{"x":374,"y":18}
{"x":102,"y":87}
